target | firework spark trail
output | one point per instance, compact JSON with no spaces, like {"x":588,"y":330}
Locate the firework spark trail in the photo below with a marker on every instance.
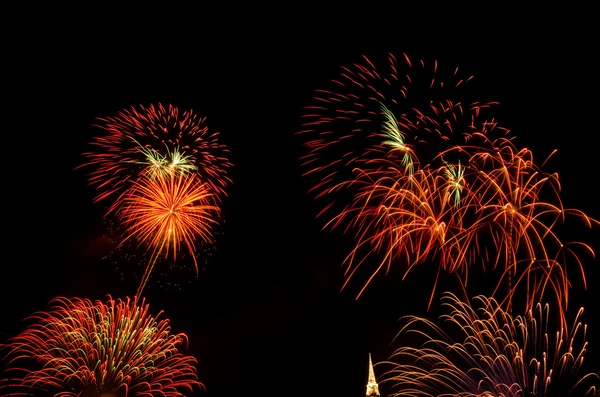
{"x":165,"y":210}
{"x":480,"y":350}
{"x":129,"y":260}
{"x":426,"y":176}
{"x":80,"y":347}
{"x":517,"y":206}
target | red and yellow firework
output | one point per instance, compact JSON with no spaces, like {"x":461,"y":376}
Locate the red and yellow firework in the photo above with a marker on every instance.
{"x":165,"y":174}
{"x":373,"y":141}
{"x":155,"y":140}
{"x":420,"y":174}
{"x":517,"y":206}
{"x":484,"y":351}
{"x":166,"y":211}
{"x":79,"y":347}
{"x":393,"y":110}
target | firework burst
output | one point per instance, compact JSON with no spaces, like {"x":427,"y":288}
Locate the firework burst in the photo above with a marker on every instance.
{"x":374,"y":139}
{"x":417,"y":173}
{"x":484,"y":351}
{"x":155,"y":140}
{"x":166,"y":211}
{"x":166,"y":176}
{"x":85,"y":348}
{"x":374,"y":112}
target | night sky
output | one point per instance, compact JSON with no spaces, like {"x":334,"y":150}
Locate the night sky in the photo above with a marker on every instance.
{"x":267,"y":311}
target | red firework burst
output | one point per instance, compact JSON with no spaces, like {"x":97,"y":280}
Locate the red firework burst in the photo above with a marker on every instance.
{"x":117,"y":348}
{"x":155,"y":139}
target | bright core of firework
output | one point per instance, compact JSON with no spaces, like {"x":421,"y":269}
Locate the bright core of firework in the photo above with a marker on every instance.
{"x":166,"y":210}
{"x":396,"y":139}
{"x":175,"y":161}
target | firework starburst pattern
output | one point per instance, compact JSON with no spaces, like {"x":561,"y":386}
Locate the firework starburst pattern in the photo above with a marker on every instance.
{"x":103,"y":348}
{"x":166,"y":175}
{"x":154,"y":140}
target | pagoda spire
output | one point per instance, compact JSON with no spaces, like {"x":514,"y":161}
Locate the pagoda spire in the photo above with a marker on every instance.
{"x":372,"y":387}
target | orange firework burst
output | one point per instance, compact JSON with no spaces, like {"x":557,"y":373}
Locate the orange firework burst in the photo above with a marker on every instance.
{"x":518,"y":205}
{"x":372,"y":112}
{"x":406,"y":218}
{"x":487,"y":209}
{"x":165,"y":211}
{"x":426,"y":177}
{"x":165,"y":174}
{"x":483,"y":351}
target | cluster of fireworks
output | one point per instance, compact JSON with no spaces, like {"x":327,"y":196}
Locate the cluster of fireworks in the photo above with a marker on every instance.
{"x":164,"y":175}
{"x":419,"y":174}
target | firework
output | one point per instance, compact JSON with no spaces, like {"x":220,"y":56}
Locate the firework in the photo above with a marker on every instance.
{"x":79,"y":347}
{"x":484,"y":351}
{"x":166,"y":211}
{"x":166,"y":176}
{"x":373,"y":141}
{"x":155,"y":140}
{"x":371,"y":113}
{"x":417,"y":173}
{"x":487,"y":209}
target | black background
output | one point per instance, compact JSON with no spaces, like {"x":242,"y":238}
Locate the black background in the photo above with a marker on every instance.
{"x":267,"y":314}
